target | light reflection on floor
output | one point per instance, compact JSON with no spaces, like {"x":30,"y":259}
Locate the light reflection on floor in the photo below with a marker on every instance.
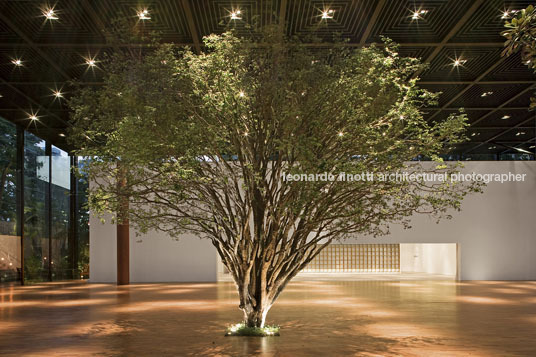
{"x":321,"y":318}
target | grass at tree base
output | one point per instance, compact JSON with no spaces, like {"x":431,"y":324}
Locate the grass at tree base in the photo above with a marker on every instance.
{"x":242,"y":330}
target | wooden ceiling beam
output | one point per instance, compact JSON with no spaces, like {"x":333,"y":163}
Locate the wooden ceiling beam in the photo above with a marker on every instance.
{"x":283,"y":13}
{"x":453,"y":31}
{"x":33,"y":102}
{"x":191,"y":44}
{"x":31,"y":45}
{"x":191,"y":25}
{"x":372,"y":22}
{"x":475,"y":82}
{"x":518,"y":126}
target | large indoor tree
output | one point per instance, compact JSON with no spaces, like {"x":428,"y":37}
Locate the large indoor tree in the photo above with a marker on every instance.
{"x":204,"y":143}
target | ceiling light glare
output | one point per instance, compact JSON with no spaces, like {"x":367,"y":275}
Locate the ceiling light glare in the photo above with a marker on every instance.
{"x":50,"y":14}
{"x":236,"y":15}
{"x":505,"y":117}
{"x":327,"y":14}
{"x":17,"y":62}
{"x":520,"y":133}
{"x":144,"y":15}
{"x":486,"y":94}
{"x":459,"y":62}
{"x":91,"y":62}
{"x":506,"y":14}
{"x":418,"y":14}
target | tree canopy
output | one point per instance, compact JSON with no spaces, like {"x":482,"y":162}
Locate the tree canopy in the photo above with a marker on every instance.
{"x":204,"y":142}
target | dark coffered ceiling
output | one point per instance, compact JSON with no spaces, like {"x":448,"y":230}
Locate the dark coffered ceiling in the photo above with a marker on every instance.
{"x":494,"y":90}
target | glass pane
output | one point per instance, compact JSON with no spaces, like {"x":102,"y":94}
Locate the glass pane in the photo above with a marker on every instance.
{"x":36,"y":178}
{"x":10,"y":261}
{"x":82,"y":220}
{"x":61,"y":254}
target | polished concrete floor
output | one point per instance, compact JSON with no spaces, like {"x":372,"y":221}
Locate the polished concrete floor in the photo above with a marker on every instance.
{"x":359,"y":277}
{"x":319,"y":318}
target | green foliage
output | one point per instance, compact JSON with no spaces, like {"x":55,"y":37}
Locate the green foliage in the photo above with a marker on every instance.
{"x":201,"y":143}
{"x":33,"y":268}
{"x":521,"y":36}
{"x":243,"y":330}
{"x":8,"y":182}
{"x":254,"y":100}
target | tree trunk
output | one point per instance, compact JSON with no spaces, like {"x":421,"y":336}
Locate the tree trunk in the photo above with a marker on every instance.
{"x":255,"y":316}
{"x":255,"y":306}
{"x":123,"y":237}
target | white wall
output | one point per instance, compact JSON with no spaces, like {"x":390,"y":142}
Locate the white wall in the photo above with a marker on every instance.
{"x":154,"y":257}
{"x":431,"y":258}
{"x":495,"y":232}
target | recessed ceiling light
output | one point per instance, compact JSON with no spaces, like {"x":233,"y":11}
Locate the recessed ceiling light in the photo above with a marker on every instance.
{"x":504,"y":117}
{"x":486,"y":94}
{"x":341,"y":133}
{"x":327,"y":14}
{"x":62,"y":135}
{"x":532,"y":146}
{"x":32,"y":117}
{"x":520,"y":133}
{"x":1,"y":96}
{"x":50,"y":14}
{"x":506,"y":14}
{"x":459,"y":62}
{"x":17,"y":62}
{"x":58,"y":94}
{"x":90,"y":61}
{"x":144,"y":14}
{"x":236,"y":14}
{"x":416,"y":15}
{"x":492,"y":147}
{"x":475,"y":134}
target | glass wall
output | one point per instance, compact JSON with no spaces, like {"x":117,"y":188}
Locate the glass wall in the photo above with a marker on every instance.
{"x":62,"y":253}
{"x":41,"y":197}
{"x":10,"y":251}
{"x":82,"y":221}
{"x":36,"y":212}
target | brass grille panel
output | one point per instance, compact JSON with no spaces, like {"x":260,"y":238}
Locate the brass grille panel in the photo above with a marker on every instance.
{"x":356,"y":258}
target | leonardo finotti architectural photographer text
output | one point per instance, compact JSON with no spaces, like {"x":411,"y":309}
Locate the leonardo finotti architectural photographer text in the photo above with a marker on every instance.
{"x":405,"y":176}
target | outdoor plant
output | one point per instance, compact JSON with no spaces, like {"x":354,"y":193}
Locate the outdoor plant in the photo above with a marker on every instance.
{"x":205,"y":143}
